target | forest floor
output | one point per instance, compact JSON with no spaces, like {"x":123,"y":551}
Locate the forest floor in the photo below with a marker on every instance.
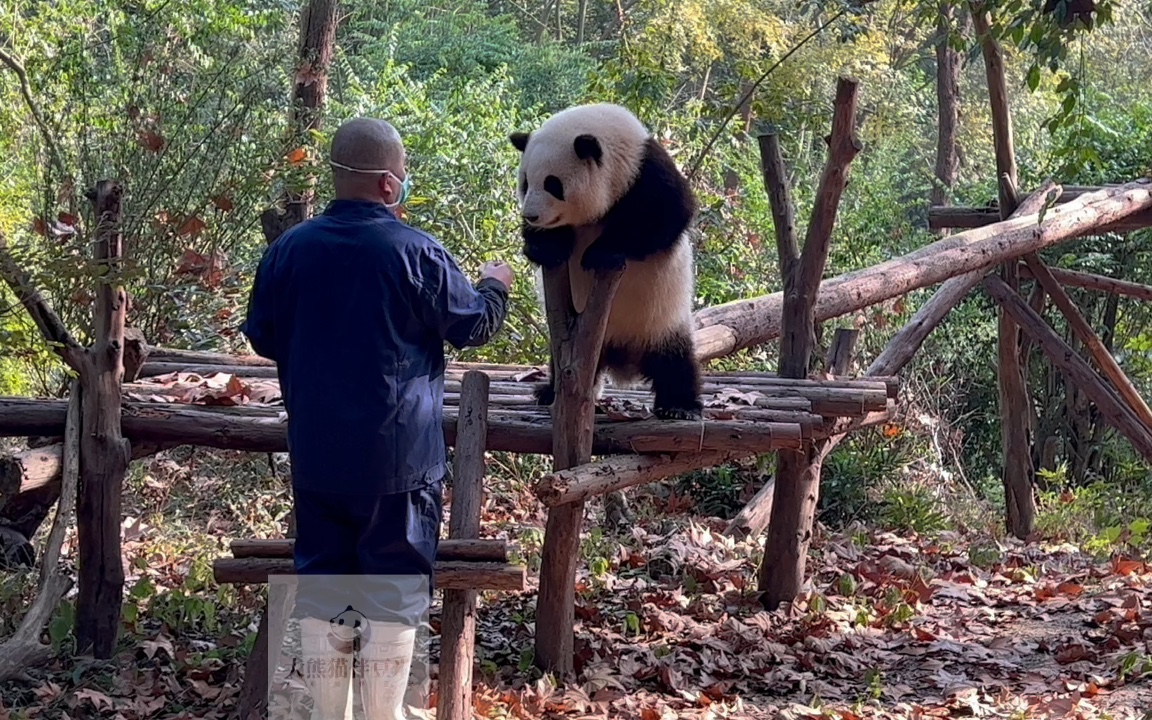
{"x":668,"y":625}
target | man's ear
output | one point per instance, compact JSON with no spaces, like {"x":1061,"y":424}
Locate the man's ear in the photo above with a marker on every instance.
{"x":519,"y":140}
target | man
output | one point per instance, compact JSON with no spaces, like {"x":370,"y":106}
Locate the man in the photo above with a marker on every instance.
{"x":354,"y":306}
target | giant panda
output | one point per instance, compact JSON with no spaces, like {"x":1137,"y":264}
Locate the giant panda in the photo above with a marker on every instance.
{"x":598,"y":192}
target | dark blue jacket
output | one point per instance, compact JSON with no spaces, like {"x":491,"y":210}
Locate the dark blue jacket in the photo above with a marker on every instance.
{"x":354,"y":306}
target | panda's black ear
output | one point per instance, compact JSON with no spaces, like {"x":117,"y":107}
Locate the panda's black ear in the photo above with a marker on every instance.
{"x":519,"y":140}
{"x":588,"y":148}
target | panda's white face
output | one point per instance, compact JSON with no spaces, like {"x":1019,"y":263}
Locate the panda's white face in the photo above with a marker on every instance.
{"x":556,"y":183}
{"x":576,"y":166}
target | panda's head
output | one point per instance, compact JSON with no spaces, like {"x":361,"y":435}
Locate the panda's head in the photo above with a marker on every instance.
{"x":576,"y":165}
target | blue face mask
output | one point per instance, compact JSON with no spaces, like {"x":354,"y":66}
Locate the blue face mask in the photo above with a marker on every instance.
{"x":405,"y":190}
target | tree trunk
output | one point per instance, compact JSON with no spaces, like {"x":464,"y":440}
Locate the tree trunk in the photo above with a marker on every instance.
{"x":104,"y":452}
{"x":948,"y":65}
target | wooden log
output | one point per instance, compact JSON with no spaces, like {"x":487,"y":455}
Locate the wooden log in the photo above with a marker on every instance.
{"x":970,"y":218}
{"x":157,"y":369}
{"x":450,"y":549}
{"x":23,"y":649}
{"x":753,"y":518}
{"x":183,"y":358}
{"x":32,"y":469}
{"x":1078,"y":372}
{"x":781,"y":572}
{"x":104,"y":450}
{"x":1082,"y":330}
{"x":907,"y":342}
{"x":575,"y":485}
{"x":258,"y":429}
{"x":1088,"y":281}
{"x":458,"y":626}
{"x":575,"y":341}
{"x":724,"y":329}
{"x":450,"y":575}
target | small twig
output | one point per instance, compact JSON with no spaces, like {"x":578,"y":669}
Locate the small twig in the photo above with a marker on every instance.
{"x":26,"y":90}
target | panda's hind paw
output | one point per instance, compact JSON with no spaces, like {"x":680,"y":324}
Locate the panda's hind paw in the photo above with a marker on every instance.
{"x":544,"y":393}
{"x":678,"y":414}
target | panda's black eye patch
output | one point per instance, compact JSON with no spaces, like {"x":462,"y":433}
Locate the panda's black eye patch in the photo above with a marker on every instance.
{"x":554,"y":187}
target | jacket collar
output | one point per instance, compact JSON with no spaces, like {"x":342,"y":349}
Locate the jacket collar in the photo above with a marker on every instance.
{"x":358,"y":209}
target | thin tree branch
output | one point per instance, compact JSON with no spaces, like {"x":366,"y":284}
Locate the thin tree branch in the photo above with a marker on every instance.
{"x":51,"y":326}
{"x":26,"y":90}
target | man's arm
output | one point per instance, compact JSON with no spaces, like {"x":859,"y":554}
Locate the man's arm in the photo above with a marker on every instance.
{"x":465,"y":315}
{"x":259,"y":326}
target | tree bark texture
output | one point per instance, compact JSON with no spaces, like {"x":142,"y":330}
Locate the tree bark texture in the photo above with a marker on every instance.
{"x":104,"y":452}
{"x":798,"y":472}
{"x":458,"y":627}
{"x":724,"y":329}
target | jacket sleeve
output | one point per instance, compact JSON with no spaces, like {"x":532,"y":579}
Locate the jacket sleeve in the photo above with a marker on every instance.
{"x":463,"y":314}
{"x":259,"y":327}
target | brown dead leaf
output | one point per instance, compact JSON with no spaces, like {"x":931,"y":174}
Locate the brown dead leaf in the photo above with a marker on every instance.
{"x":150,"y":141}
{"x":192,"y":226}
{"x":99,"y":700}
{"x":297,"y":156}
{"x":223,"y":203}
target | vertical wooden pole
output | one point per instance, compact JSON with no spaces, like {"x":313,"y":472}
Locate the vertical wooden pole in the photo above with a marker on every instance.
{"x":1015,"y":409}
{"x":798,"y":472}
{"x":104,"y":453}
{"x":458,"y":627}
{"x":575,"y":346}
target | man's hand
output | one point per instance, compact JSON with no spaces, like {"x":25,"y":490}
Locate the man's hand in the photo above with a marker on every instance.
{"x":498,"y":271}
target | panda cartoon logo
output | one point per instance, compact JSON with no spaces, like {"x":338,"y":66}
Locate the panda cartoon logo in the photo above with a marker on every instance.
{"x":348,"y":629}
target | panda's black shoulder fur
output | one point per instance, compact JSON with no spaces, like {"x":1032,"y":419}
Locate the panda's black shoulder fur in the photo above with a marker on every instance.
{"x":650,"y":218}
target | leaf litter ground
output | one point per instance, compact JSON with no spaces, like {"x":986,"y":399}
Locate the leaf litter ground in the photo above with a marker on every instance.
{"x":668,"y":626}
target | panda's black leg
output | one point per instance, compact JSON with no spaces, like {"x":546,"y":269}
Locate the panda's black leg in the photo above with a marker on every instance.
{"x":675,"y":377}
{"x":545,"y":393}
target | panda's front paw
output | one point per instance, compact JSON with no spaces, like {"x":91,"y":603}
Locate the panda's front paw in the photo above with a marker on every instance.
{"x":545,"y":254}
{"x":677,"y":414}
{"x":596,"y":258}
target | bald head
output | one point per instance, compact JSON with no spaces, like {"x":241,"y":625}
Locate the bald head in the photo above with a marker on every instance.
{"x":369,"y":147}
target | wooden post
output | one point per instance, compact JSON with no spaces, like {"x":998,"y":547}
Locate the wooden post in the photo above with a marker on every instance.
{"x":1015,"y":406}
{"x":458,"y":627}
{"x":798,"y":472}
{"x":575,"y":347}
{"x":104,"y":452}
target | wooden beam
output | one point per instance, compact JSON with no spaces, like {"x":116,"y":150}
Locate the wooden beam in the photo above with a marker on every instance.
{"x":724,"y":329}
{"x":907,"y":342}
{"x":450,"y":549}
{"x":103,"y":448}
{"x":1078,"y":372}
{"x":1080,"y":327}
{"x":575,"y":485}
{"x":1089,"y":281}
{"x":450,"y":575}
